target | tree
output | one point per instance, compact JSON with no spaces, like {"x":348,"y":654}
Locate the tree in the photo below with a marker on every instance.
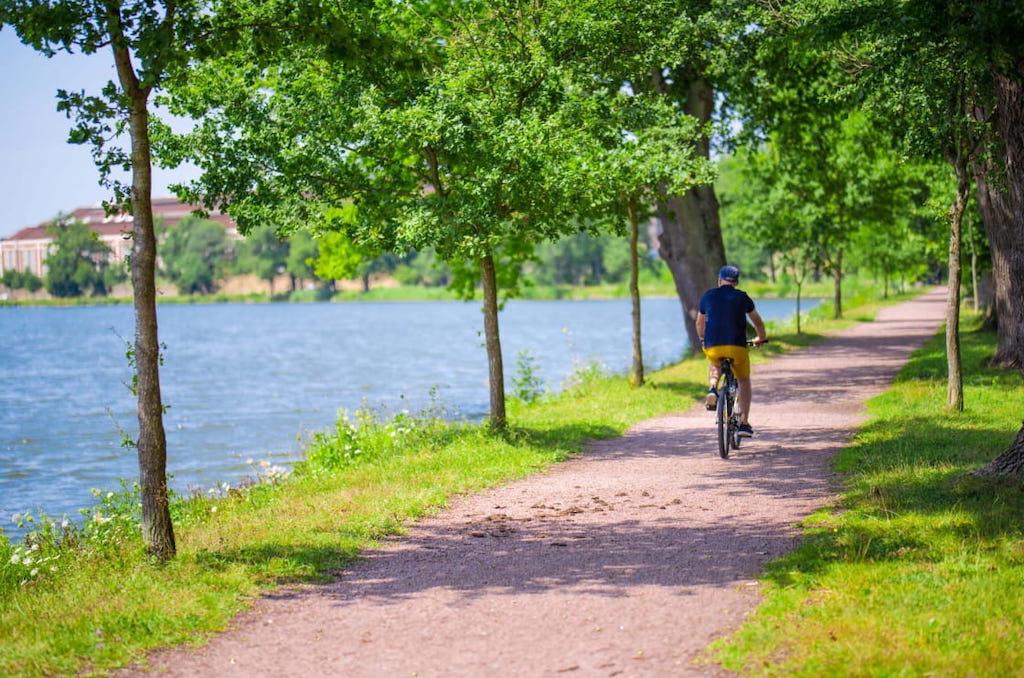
{"x":302,"y":252}
{"x":264,"y":253}
{"x":423,"y":267}
{"x":462,"y":128}
{"x":658,"y":154}
{"x":382,"y":264}
{"x":78,"y":261}
{"x":338,"y":258}
{"x":16,"y":279}
{"x":577,"y":259}
{"x":757,"y":205}
{"x":194,"y":255}
{"x":147,"y":40}
{"x":740,"y":199}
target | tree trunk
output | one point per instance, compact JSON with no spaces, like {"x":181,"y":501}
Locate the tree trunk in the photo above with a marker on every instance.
{"x":955,"y":379}
{"x":799,"y":294}
{"x":1003,"y":214}
{"x":974,"y":276}
{"x":1009,"y":463}
{"x":690,"y":238}
{"x":637,"y":376}
{"x":837,"y":285}
{"x":157,"y":529}
{"x":495,"y":370}
{"x":987,"y":300}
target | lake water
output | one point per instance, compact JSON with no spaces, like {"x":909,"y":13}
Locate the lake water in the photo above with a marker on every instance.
{"x":253,"y":381}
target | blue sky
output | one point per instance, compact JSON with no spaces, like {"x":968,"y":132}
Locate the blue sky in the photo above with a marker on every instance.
{"x":41,"y":175}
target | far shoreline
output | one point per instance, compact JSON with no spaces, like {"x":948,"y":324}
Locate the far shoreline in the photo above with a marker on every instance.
{"x":384,"y":291}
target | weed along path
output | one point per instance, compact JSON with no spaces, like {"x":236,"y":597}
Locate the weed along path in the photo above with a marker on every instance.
{"x":626,"y":561}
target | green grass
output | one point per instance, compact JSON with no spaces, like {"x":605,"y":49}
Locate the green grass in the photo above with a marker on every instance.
{"x":650,"y":286}
{"x":96,"y":603}
{"x":920,"y":569}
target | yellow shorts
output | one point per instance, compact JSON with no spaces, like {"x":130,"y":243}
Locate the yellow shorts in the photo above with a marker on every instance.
{"x":740,"y":358}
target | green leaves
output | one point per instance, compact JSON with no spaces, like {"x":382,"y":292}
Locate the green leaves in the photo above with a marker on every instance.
{"x":76,"y":265}
{"x":501,"y":131}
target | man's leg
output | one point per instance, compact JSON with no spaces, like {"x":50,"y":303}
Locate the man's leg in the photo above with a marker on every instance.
{"x":711,"y":402}
{"x":744,"y":400}
{"x":713,"y":374}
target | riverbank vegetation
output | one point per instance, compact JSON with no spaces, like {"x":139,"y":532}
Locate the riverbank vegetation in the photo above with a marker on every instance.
{"x":914,"y":550}
{"x":652,"y":284}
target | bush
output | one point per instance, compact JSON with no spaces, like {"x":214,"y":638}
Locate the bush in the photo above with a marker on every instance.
{"x":21,"y":280}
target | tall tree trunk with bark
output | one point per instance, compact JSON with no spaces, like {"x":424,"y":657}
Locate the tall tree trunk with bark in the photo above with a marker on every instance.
{"x":492,"y":339}
{"x":955,"y":378}
{"x":637,"y":376}
{"x":157,"y":529}
{"x":690,"y":241}
{"x":1002,"y":207}
{"x":1002,"y":211}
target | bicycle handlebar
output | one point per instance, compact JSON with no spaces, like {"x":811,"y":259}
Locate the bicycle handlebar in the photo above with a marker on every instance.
{"x":751,"y":343}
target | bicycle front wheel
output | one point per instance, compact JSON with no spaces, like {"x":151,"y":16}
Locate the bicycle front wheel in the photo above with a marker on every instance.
{"x":722,"y":419}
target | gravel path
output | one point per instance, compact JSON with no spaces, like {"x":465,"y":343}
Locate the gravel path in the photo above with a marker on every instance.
{"x":627,"y":561}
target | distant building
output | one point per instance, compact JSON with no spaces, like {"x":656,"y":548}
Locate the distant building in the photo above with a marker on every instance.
{"x":27,"y":249}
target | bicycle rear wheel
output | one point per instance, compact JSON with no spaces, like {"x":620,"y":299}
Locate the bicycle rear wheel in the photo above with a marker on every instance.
{"x":722,"y":419}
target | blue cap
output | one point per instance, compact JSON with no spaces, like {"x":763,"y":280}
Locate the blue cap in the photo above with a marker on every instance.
{"x":729,"y":274}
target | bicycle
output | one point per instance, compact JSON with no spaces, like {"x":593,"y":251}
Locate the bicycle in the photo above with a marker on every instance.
{"x":727,"y":419}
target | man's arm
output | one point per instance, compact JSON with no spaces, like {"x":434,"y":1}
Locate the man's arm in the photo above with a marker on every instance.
{"x":702,"y":321}
{"x":755,"y":318}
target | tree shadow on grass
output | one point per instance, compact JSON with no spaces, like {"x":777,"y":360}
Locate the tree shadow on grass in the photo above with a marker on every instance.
{"x":908,"y":499}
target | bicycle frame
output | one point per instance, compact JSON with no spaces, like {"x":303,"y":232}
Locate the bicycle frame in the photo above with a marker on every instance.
{"x":726,"y":417}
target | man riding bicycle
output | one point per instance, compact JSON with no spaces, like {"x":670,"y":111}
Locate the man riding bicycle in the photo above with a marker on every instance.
{"x":722,"y":330}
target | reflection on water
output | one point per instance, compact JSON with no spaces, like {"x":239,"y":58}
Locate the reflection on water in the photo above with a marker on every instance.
{"x":252,"y":381}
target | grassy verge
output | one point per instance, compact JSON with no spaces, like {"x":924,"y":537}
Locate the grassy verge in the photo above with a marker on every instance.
{"x":79,"y":601}
{"x":919,"y":571}
{"x":650,"y":286}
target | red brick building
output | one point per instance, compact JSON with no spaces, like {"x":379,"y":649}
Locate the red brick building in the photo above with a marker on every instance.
{"x":27,"y":249}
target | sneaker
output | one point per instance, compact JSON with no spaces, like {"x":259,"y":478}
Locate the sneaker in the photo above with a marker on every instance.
{"x":711,"y":402}
{"x":745,"y":431}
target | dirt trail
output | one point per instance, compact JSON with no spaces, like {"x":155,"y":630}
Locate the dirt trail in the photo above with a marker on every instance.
{"x":627,"y":561}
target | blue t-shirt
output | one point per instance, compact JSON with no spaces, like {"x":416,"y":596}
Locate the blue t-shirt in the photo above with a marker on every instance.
{"x":726,"y":309}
